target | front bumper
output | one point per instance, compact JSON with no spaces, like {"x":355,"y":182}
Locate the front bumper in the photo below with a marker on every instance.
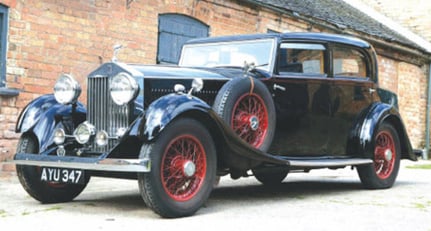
{"x":85,"y":163}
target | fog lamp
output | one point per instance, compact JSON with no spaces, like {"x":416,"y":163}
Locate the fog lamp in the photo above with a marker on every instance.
{"x":59,"y":136}
{"x":84,"y":132}
{"x":102,"y":138}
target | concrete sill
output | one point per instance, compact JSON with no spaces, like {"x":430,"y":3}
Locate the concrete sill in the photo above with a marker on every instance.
{"x":8,"y":92}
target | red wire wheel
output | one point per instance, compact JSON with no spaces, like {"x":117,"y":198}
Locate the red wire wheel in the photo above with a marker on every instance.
{"x":246,"y":105}
{"x":386,"y":157}
{"x":384,"y":154}
{"x":183,"y":167}
{"x":250,"y":119}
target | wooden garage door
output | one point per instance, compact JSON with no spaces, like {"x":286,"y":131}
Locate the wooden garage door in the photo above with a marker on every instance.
{"x":174,"y":31}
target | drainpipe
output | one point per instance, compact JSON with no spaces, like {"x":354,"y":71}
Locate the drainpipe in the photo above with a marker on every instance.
{"x":427,"y":131}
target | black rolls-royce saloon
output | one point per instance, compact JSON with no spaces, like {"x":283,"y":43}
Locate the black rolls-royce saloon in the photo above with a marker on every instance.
{"x":258,"y":105}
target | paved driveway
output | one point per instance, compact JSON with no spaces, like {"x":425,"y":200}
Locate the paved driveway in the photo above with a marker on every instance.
{"x":320,"y":200}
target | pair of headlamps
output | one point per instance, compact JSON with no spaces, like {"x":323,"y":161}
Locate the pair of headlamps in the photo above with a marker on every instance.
{"x":123,"y":88}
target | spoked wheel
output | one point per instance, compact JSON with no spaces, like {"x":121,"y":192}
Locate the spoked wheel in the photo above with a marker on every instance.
{"x":246,"y":105}
{"x":383,"y":172}
{"x":183,"y":169}
{"x":384,"y":155}
{"x":250,"y":119}
{"x":30,"y":179}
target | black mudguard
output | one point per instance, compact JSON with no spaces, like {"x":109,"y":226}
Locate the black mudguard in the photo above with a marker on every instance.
{"x":235,"y":153}
{"x":364,"y":131}
{"x":42,"y":115}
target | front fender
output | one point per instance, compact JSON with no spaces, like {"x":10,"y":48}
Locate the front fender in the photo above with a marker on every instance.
{"x":41,"y":116}
{"x":162,"y":111}
{"x":234,"y":151}
{"x":362,"y":136}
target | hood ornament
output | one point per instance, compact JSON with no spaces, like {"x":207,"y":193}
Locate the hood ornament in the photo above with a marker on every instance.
{"x":117,"y":49}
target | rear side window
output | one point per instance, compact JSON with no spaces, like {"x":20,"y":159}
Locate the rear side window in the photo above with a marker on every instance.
{"x":349,"y":62}
{"x":301,"y":58}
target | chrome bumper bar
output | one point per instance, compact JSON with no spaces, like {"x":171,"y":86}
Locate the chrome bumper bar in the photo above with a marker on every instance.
{"x":85,"y":163}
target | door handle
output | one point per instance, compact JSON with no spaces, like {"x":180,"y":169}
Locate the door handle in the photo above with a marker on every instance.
{"x":278,"y":87}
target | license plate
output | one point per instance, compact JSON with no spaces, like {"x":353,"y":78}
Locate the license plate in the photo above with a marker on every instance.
{"x":62,"y":175}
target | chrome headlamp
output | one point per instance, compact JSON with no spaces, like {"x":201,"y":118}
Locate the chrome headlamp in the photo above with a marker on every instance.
{"x":123,"y":88}
{"x":84,"y":132}
{"x":66,"y":89}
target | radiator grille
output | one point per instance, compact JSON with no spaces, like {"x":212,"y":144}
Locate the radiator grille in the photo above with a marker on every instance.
{"x":103,"y":113}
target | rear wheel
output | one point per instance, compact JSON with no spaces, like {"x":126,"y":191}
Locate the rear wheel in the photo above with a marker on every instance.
{"x":45,"y":192}
{"x":387,"y":153}
{"x":183,"y":169}
{"x":270,"y":176}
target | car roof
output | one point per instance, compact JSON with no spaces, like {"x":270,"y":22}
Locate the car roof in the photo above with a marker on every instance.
{"x":309,"y":36}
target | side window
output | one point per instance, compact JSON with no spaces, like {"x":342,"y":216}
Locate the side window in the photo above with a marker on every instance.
{"x":174,"y":31}
{"x":301,"y":58}
{"x":349,"y":62}
{"x":3,"y":42}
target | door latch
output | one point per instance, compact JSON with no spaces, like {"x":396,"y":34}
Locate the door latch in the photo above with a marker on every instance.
{"x":279,"y":87}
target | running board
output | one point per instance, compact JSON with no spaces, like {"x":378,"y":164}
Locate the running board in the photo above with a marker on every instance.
{"x":327,"y":163}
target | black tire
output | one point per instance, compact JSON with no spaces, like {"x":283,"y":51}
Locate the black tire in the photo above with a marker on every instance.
{"x":181,"y":156}
{"x":45,"y":192}
{"x":245,"y":104}
{"x":387,"y":154}
{"x":270,"y":177}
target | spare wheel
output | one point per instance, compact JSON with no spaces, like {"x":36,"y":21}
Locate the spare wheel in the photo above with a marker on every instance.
{"x":246,"y":105}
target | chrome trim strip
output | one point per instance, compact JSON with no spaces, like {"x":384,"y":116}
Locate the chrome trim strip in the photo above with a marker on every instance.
{"x":329,"y":163}
{"x":85,"y":163}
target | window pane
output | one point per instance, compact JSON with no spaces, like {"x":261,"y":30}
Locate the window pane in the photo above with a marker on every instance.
{"x":259,"y":52}
{"x":348,"y":62}
{"x":301,"y":58}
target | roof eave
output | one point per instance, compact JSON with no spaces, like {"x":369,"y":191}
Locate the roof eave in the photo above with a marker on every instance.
{"x":422,"y":53}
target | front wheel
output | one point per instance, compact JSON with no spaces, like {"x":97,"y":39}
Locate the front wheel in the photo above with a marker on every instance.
{"x":183,"y":169}
{"x":387,"y":153}
{"x":45,"y":192}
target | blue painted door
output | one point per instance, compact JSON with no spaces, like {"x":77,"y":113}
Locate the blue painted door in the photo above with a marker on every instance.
{"x":174,"y":31}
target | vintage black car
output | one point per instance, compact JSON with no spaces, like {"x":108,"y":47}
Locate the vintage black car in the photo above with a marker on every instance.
{"x":262,"y":105}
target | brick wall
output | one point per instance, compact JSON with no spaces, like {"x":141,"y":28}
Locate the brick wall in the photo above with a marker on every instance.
{"x":47,"y":38}
{"x":410,"y":83}
{"x":412,"y":95}
{"x":50,"y":37}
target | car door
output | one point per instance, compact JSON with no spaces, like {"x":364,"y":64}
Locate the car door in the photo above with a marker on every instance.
{"x":302,"y":99}
{"x":353,"y":89}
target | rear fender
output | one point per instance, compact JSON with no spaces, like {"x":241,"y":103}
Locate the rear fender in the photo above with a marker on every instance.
{"x":41,"y":116}
{"x":362,"y":135}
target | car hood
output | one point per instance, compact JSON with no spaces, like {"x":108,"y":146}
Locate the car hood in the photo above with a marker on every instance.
{"x":160,"y":71}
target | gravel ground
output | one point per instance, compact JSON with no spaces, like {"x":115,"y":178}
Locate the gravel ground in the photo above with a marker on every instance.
{"x":319,"y":200}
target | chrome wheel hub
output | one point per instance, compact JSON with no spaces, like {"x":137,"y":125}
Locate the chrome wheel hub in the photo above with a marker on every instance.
{"x":388,"y":155}
{"x":189,"y":168}
{"x":254,"y":123}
